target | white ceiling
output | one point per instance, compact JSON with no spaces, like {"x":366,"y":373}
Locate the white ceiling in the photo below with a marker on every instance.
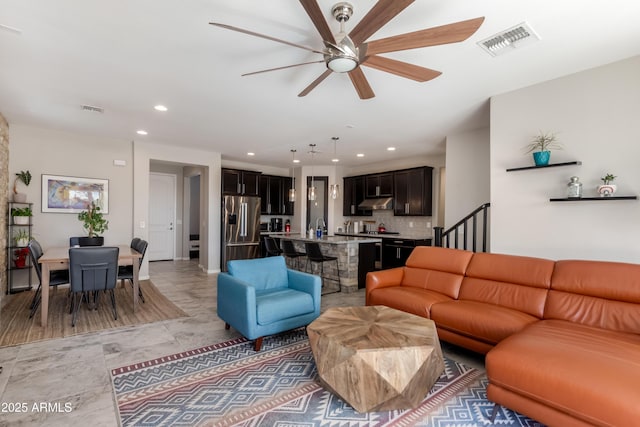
{"x":128,"y":55}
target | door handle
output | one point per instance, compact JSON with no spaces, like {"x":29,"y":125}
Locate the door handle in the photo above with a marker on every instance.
{"x":244,"y":189}
{"x":353,"y":209}
{"x":239,"y":188}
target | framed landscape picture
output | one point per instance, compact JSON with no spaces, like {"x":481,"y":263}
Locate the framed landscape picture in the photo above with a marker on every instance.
{"x":70,"y":194}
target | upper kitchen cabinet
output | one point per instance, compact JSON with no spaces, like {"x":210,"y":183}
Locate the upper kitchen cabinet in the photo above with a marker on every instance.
{"x":287,"y":184}
{"x":413,"y":191}
{"x":353,"y":195}
{"x":379,"y":185}
{"x":271,"y":195}
{"x":239,"y":182}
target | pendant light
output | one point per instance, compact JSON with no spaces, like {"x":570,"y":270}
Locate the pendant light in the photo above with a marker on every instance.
{"x":334,"y":189}
{"x":312,"y":189}
{"x":292,"y":190}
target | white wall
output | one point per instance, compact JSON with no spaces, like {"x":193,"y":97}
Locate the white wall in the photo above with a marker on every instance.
{"x":597,"y":116}
{"x":51,"y":152}
{"x":467,"y":165}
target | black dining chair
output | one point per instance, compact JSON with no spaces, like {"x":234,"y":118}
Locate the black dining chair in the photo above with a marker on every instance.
{"x":125,"y":272}
{"x":56,"y":277}
{"x":272,"y":247}
{"x":289,"y":251}
{"x":315,"y":255}
{"x":91,"y":271}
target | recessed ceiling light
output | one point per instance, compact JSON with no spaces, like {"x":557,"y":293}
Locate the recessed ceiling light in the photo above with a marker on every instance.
{"x":391,"y":148}
{"x":251,"y":154}
{"x":161,"y":108}
{"x":359,"y":155}
{"x":335,"y":160}
{"x":350,"y":126}
{"x":296,"y":161}
{"x":142,"y":132}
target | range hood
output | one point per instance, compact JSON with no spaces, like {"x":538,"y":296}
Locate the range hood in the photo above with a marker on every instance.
{"x":376,"y":204}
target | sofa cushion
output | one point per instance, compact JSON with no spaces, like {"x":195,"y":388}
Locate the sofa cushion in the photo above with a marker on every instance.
{"x":511,"y":281}
{"x":274,"y":305}
{"x":596,"y":293}
{"x":262,"y":273}
{"x":405,"y":298}
{"x":589,"y":373}
{"x":437,"y":269}
{"x":488,"y":323}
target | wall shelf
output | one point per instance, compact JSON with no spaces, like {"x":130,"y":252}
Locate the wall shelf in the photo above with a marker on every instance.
{"x":597,"y":199}
{"x":577,"y":162}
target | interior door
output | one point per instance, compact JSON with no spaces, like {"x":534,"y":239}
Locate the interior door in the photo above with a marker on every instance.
{"x":162,"y":213}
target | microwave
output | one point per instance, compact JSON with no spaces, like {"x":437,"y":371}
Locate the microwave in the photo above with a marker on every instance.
{"x":264,"y":226}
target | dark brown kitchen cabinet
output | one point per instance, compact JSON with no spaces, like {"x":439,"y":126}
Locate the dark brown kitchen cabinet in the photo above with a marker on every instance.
{"x":240,"y":182}
{"x":413,"y":191}
{"x":396,"y":251}
{"x":353,"y":195}
{"x":379,"y":185}
{"x":274,"y":194}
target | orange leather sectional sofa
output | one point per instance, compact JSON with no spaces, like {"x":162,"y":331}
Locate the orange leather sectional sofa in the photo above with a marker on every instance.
{"x":562,"y":338}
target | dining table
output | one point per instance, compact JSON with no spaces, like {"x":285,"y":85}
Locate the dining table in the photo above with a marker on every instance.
{"x":57,"y":258}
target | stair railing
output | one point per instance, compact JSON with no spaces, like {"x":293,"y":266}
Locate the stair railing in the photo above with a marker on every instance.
{"x":450,"y":237}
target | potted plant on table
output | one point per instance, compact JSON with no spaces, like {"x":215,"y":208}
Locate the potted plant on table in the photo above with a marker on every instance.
{"x":94,"y":224}
{"x":607,"y":188}
{"x":25,"y":177}
{"x":21,"y":215}
{"x":541,"y":147}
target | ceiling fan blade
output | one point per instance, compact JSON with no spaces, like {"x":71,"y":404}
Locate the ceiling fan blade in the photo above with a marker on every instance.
{"x":402,"y":69}
{"x":450,"y":33}
{"x":314,"y":12}
{"x":315,"y":83}
{"x":361,"y":84}
{"x":280,"y":68}
{"x":381,"y":13}
{"x":251,"y":33}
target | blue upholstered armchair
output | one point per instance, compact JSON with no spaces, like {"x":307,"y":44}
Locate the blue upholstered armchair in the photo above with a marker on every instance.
{"x":261,"y":297}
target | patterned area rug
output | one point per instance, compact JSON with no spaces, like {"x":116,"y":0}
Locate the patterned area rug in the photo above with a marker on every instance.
{"x":230,"y":384}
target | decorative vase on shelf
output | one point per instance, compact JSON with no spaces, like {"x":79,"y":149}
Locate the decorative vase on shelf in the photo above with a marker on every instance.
{"x":574,"y":188}
{"x":607,"y":190}
{"x":21,"y":220}
{"x":541,"y":158}
{"x":20,"y":197}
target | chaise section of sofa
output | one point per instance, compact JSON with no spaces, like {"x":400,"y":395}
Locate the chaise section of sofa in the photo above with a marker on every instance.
{"x":431,"y":275}
{"x":499,"y":296}
{"x":580,"y":365}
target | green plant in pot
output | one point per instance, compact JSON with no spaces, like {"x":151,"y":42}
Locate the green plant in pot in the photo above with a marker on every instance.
{"x":94,"y":224}
{"x":25,"y":177}
{"x":607,"y":188}
{"x":21,"y":238}
{"x":21,"y":215}
{"x":541,"y":147}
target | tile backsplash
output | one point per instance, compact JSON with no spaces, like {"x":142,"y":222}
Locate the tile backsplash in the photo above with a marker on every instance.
{"x":403,"y":224}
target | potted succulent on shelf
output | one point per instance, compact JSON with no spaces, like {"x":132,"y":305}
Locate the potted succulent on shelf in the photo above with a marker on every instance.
{"x":25,"y":177}
{"x":22,"y":238}
{"x":21,"y":215}
{"x":607,"y":188}
{"x":94,"y":224}
{"x":541,"y":147}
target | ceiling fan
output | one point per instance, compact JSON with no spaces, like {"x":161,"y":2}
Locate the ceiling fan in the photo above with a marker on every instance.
{"x":346,"y":53}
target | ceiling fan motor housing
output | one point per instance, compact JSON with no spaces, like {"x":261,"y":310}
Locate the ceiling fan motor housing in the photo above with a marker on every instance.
{"x":342,"y":11}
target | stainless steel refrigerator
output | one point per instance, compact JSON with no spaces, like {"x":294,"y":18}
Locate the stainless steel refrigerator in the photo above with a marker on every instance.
{"x":240,"y":228}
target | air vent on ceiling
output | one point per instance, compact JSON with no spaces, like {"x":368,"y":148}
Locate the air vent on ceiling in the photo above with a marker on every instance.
{"x":507,"y":40}
{"x":92,"y":108}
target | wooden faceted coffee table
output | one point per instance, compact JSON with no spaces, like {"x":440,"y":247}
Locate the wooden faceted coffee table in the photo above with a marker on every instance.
{"x":376,"y":358}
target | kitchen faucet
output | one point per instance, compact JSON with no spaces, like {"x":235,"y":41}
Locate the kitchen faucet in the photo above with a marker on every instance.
{"x":324,"y":225}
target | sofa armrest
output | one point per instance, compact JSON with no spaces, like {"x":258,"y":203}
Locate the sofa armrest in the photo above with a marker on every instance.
{"x":305,"y":282}
{"x":384,"y":278}
{"x":236,"y":302}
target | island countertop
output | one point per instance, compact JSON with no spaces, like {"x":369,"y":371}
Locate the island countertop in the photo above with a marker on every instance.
{"x":334,"y":240}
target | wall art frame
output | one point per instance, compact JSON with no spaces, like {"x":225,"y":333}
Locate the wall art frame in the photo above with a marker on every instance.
{"x":72,"y":194}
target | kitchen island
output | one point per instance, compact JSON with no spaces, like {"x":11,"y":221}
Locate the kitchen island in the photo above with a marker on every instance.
{"x":356,"y":257}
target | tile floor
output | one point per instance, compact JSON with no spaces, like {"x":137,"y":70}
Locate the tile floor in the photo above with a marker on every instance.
{"x":71,"y":375}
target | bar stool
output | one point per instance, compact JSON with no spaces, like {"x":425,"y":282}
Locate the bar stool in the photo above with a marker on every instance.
{"x":314,"y":254}
{"x":289,"y":251}
{"x":272,"y":247}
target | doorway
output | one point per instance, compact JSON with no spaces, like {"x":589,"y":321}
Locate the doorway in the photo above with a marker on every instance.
{"x":162,"y":214}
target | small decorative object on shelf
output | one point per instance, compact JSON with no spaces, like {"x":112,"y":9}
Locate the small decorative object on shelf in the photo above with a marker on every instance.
{"x":541,"y":147}
{"x":21,"y":215}
{"x":21,"y":237}
{"x":25,"y":177}
{"x":607,"y":189}
{"x":20,"y":257}
{"x":574,"y":188}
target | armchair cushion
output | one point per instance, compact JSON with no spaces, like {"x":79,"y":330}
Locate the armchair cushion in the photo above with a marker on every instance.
{"x":274,"y":305}
{"x":262,"y":273}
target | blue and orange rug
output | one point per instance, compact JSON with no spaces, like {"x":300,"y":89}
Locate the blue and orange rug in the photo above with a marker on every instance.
{"x":230,"y":384}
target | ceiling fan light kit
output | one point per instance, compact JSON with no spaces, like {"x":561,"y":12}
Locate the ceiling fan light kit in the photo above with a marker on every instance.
{"x":345,"y":53}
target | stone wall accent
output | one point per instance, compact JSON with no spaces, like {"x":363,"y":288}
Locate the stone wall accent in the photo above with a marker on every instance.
{"x":4,"y":198}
